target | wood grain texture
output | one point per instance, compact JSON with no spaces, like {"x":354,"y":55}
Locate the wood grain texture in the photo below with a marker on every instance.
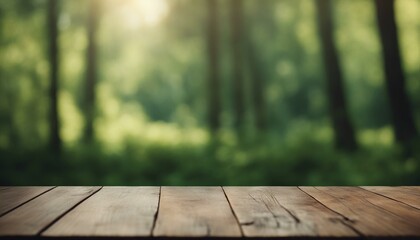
{"x":414,"y":189}
{"x":12,"y":197}
{"x":34,"y":216}
{"x":369,"y":213}
{"x":141,"y":212}
{"x":284,"y":211}
{"x":113,"y":211}
{"x":408,"y":196}
{"x":195,"y":212}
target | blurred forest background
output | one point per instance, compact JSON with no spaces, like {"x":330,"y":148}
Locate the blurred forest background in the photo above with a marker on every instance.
{"x":209,"y":92}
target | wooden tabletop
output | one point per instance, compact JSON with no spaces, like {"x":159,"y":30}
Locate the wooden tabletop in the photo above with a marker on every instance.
{"x":227,"y":212}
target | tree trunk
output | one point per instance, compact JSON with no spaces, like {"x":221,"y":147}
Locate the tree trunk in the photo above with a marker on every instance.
{"x":402,"y":117}
{"x":7,"y":93}
{"x":55,"y":140}
{"x":213,"y":64}
{"x":237,"y":35}
{"x":343,"y":129}
{"x":91,"y":71}
{"x":258,"y":83}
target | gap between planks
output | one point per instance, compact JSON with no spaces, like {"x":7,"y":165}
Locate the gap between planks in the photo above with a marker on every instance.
{"x":233,"y":212}
{"x":156,"y":213}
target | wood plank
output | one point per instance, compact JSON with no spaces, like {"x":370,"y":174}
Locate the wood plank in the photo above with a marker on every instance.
{"x":12,"y":197}
{"x":415,"y":189}
{"x":284,"y":211}
{"x":195,"y":212}
{"x":31,"y":218}
{"x":371,"y":214}
{"x":406,"y":195}
{"x":113,"y":211}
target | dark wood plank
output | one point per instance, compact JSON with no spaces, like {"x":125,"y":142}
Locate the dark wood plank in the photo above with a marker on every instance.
{"x":369,"y":213}
{"x":284,"y":211}
{"x":31,"y":218}
{"x":195,"y":212}
{"x":113,"y":211}
{"x":406,"y":195}
{"x":12,"y":197}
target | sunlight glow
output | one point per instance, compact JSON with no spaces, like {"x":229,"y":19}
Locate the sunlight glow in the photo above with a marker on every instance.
{"x":143,"y":13}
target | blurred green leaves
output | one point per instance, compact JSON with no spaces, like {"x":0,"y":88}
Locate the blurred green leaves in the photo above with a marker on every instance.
{"x":151,"y":96}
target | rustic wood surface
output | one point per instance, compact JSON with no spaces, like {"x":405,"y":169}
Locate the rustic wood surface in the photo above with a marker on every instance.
{"x":284,"y":211}
{"x":14,"y":197}
{"x":113,"y":211}
{"x":198,"y":212}
{"x":407,"y":195}
{"x":36,"y":215}
{"x":195,"y":212}
{"x":369,"y":213}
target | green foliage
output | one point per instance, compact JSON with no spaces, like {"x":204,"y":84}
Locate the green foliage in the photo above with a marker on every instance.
{"x":304,"y":157}
{"x":151,"y":96}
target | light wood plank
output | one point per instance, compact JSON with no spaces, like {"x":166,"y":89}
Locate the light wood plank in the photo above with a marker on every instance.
{"x":284,"y":211}
{"x":406,"y":195}
{"x":113,"y":211}
{"x":12,"y":197}
{"x":195,"y":212}
{"x":415,"y":189}
{"x":34,"y":216}
{"x":371,"y":214}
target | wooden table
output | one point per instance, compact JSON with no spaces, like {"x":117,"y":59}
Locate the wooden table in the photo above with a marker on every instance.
{"x":227,"y":212}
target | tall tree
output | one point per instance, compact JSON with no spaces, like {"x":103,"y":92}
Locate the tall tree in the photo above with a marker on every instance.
{"x":236,"y":21}
{"x":55,"y":139}
{"x":91,"y":70}
{"x":402,"y":117}
{"x":258,"y":84}
{"x":6,"y":91}
{"x":254,"y":60}
{"x":343,"y":129}
{"x":213,"y":65}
